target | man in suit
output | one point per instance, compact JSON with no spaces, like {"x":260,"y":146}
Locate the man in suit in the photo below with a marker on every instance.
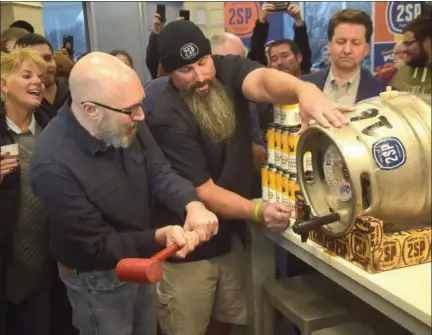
{"x":345,"y":82}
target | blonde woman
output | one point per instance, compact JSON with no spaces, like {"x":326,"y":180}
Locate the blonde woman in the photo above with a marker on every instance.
{"x":24,"y":255}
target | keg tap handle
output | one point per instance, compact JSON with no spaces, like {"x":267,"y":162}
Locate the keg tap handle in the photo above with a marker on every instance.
{"x":303,"y":214}
{"x":304,"y":227}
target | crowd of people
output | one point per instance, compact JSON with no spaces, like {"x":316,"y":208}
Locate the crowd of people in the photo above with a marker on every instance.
{"x":96,"y":167}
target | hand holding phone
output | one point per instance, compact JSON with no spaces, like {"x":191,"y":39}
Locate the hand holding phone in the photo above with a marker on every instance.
{"x":68,"y":44}
{"x":160,"y":9}
{"x":280,"y":6}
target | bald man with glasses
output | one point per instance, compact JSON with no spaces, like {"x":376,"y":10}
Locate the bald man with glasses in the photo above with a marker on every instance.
{"x":97,"y":170}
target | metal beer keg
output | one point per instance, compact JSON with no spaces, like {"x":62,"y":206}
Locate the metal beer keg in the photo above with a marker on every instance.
{"x":379,"y":165}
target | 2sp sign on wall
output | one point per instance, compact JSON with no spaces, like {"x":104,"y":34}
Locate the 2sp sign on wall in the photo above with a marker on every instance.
{"x":240,"y":17}
{"x":399,"y":13}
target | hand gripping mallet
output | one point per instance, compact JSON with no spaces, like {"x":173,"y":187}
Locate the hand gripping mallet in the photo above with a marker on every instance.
{"x":142,"y":270}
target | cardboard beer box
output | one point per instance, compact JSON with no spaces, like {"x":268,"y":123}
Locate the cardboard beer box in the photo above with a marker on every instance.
{"x":373,"y":248}
{"x":376,"y":250}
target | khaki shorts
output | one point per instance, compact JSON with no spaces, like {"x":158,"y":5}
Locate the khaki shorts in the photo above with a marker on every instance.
{"x":190,"y":294}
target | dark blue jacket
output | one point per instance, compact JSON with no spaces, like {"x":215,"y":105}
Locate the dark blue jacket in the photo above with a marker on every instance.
{"x":369,"y":86}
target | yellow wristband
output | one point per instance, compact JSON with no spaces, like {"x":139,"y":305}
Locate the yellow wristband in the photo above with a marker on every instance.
{"x":256,"y":212}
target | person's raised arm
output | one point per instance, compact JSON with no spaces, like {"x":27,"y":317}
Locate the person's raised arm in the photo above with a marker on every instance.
{"x":301,"y":38}
{"x":152,"y":58}
{"x":277,"y":87}
{"x":260,"y":34}
{"x":259,"y":84}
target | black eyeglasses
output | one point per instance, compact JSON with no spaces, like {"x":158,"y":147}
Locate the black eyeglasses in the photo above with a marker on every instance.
{"x":127,"y":111}
{"x":409,"y":43}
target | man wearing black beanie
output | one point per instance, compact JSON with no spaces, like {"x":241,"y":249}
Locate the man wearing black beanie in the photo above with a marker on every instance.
{"x":201,"y":122}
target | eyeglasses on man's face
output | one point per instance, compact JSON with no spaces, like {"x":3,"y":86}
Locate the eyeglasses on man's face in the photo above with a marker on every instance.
{"x":409,"y":43}
{"x":128,"y":111}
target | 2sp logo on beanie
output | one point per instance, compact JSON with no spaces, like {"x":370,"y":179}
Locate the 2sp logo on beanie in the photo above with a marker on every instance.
{"x":189,"y":51}
{"x":181,"y":43}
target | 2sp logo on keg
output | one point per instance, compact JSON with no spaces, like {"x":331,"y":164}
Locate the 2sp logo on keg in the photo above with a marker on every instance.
{"x":189,"y":51}
{"x":389,"y":153}
{"x":399,"y":13}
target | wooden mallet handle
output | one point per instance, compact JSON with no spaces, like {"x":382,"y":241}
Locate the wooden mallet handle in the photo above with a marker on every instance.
{"x":142,"y":270}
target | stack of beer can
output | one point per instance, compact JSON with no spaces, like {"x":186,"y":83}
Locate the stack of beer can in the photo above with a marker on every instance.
{"x":279,"y":173}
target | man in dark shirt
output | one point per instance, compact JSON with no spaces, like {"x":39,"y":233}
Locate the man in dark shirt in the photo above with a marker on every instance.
{"x":97,"y":175}
{"x":56,"y":91}
{"x":203,"y":126}
{"x":292,"y":55}
{"x":230,"y":44}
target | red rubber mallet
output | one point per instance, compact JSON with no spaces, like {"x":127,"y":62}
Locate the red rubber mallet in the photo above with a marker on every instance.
{"x":142,"y":270}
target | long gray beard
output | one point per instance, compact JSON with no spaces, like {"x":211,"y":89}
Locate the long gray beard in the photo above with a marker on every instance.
{"x":213,"y":110}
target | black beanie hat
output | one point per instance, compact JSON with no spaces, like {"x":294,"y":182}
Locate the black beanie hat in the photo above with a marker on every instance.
{"x":181,"y":43}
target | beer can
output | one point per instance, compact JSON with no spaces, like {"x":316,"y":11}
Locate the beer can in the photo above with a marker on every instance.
{"x":290,"y":115}
{"x":293,"y":139}
{"x":271,"y":144}
{"x":276,"y":114}
{"x":285,"y":188}
{"x":293,"y":188}
{"x":279,"y":179}
{"x":272,"y":171}
{"x":277,"y":145}
{"x":284,"y":149}
{"x":264,"y":182}
{"x":307,"y":161}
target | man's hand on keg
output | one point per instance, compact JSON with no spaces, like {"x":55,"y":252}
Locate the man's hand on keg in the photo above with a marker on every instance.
{"x":315,"y":105}
{"x":275,"y":216}
{"x":201,"y":220}
{"x":186,"y":240}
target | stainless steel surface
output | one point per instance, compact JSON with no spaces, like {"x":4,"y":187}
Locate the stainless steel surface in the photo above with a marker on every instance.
{"x":388,"y":146}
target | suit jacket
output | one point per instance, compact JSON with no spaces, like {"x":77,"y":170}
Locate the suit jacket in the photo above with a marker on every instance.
{"x":369,"y":86}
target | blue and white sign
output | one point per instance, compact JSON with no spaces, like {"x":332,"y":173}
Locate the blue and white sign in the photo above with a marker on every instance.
{"x":399,"y":13}
{"x":389,"y":153}
{"x":383,"y":55}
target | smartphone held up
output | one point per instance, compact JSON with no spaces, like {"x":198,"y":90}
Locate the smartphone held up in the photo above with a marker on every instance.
{"x":68,"y":44}
{"x":280,"y":6}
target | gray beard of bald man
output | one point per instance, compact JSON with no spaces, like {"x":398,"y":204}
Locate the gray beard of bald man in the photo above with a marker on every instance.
{"x":214,"y":111}
{"x":122,"y":137}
